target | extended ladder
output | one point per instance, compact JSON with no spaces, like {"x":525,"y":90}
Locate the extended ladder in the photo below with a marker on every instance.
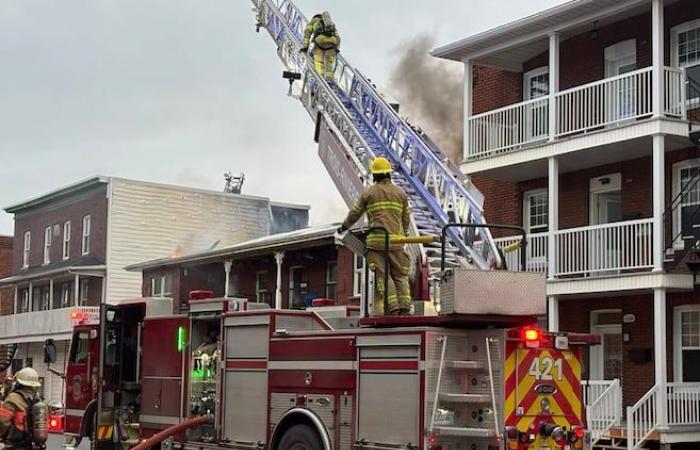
{"x":368,"y":126}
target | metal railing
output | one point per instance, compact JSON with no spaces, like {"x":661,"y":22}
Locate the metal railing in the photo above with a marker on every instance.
{"x":604,"y":248}
{"x":510,"y":127}
{"x":536,"y":253}
{"x":603,"y":400}
{"x":642,"y":419}
{"x":683,"y":404}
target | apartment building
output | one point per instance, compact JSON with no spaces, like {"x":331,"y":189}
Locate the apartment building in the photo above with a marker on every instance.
{"x":71,"y":246}
{"x":578,"y":125}
{"x":6,"y":294}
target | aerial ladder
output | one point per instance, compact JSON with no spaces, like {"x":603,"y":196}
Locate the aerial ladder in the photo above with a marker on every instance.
{"x":367,"y":126}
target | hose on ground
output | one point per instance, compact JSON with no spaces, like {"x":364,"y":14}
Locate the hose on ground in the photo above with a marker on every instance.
{"x":163,"y":435}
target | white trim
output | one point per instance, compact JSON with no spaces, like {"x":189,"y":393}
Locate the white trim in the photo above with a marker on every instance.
{"x":26,"y":249}
{"x":597,"y":352}
{"x":529,"y":75}
{"x":596,"y":188}
{"x":48,"y":239}
{"x":620,"y":52}
{"x":635,"y":282}
{"x":357,"y":274}
{"x":86,"y":231}
{"x":65,"y":246}
{"x":677,"y":348}
{"x":527,"y":195}
{"x":675,"y":31}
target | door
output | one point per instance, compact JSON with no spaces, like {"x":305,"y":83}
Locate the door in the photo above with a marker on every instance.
{"x":605,"y":208}
{"x":620,"y":59}
{"x":296,"y":288}
{"x":536,"y":85}
{"x":606,"y":358}
{"x":535,"y":220}
{"x":687,"y":181}
{"x":79,"y":376}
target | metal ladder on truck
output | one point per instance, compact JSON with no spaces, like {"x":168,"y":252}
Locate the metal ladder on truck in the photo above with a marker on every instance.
{"x":367,"y":126}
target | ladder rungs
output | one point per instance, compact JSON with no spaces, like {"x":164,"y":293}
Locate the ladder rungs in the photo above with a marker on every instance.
{"x":466,"y":432}
{"x":465,"y":398}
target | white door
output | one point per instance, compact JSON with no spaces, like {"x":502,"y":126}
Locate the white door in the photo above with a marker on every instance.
{"x":605,"y":208}
{"x":621,"y":58}
{"x":536,"y":84}
{"x":606,"y":359}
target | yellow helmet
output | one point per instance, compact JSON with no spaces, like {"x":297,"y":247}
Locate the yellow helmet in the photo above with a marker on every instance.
{"x":28,"y":377}
{"x":380,"y":165}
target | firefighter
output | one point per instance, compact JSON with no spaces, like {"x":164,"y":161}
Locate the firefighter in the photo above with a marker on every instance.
{"x":15,"y":410}
{"x":386,"y":205}
{"x":322,"y":33}
{"x":6,"y":387}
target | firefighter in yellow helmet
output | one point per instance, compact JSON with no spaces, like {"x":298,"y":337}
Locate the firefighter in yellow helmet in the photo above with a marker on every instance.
{"x":386,"y":205}
{"x":15,"y":412}
{"x":322,"y":33}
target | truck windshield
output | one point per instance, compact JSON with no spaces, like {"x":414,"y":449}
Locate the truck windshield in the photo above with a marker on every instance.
{"x":80,"y":349}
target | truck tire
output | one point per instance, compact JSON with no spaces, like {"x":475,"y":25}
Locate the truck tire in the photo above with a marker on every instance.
{"x":300,"y":437}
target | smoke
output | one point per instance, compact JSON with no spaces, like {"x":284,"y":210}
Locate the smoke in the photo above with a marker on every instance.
{"x":430,"y":93}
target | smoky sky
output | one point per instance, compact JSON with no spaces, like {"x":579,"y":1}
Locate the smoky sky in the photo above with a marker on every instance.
{"x":181,"y":91}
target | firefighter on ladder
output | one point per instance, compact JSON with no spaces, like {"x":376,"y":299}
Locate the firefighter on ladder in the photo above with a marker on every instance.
{"x":15,"y":411}
{"x":322,"y":33}
{"x":386,"y":205}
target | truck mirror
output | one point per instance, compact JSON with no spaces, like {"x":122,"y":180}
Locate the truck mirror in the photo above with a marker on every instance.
{"x":49,"y":351}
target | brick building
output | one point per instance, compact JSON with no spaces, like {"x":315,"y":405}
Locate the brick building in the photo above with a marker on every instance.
{"x":577,"y":125}
{"x":71,"y":246}
{"x":6,"y":294}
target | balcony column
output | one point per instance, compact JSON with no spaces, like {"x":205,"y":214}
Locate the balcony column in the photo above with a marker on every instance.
{"x":30,"y":302}
{"x":50,"y":293}
{"x":553,"y":82}
{"x":279,"y":257}
{"x":468,"y":105}
{"x":76,"y":289}
{"x":553,"y":204}
{"x":16,"y":289}
{"x":553,"y":313}
{"x":658,"y":173}
{"x":660,"y":356}
{"x":657,"y":56}
{"x":227,"y":270}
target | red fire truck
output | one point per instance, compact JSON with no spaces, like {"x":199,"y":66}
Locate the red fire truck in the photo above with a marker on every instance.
{"x":477,"y":376}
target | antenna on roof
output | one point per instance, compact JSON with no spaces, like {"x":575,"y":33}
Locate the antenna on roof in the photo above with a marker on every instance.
{"x":234,"y":185}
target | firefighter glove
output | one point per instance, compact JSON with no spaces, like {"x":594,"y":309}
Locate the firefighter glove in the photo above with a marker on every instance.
{"x":303,"y":49}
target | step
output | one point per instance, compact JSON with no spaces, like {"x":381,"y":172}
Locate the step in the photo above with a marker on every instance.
{"x":468,"y":365}
{"x":466,"y":432}
{"x":465,"y":398}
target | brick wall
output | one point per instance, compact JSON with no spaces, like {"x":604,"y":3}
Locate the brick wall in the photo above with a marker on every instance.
{"x":7,"y":294}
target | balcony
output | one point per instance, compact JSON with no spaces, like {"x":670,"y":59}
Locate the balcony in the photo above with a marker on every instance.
{"x":615,"y":248}
{"x":605,"y":104}
{"x":38,"y":325}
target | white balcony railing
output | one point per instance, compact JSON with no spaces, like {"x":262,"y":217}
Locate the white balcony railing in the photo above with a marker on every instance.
{"x":536,"y":260}
{"x":603,"y":400}
{"x":683,"y":404}
{"x":642,"y":419}
{"x":17,"y":327}
{"x":604,"y":249}
{"x":611,"y":101}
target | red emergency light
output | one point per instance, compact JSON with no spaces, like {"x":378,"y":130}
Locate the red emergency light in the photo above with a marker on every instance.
{"x":201,"y":294}
{"x":78,"y":316}
{"x":531,"y":337}
{"x":55,"y":424}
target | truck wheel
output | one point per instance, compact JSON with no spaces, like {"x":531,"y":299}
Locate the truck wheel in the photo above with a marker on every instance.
{"x":300,"y":437}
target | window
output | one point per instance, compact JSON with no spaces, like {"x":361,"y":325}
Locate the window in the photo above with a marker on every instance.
{"x":161,"y":286}
{"x":687,"y":343}
{"x":331,"y":279}
{"x":87,"y":223}
{"x":685,"y":50}
{"x":24,"y":300}
{"x":29,"y":362}
{"x":80,"y":347}
{"x":47,"y":245}
{"x":262,"y":294}
{"x":66,"y":295}
{"x":27,"y":246}
{"x":358,"y":275}
{"x":66,"y":240}
{"x":45,"y":298}
{"x":84,"y":291}
{"x":536,"y":84}
{"x":686,"y":180}
{"x":536,"y":211}
{"x":37,"y":299}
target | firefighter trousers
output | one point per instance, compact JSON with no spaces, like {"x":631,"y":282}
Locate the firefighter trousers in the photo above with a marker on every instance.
{"x":397,"y":293}
{"x":324,"y":61}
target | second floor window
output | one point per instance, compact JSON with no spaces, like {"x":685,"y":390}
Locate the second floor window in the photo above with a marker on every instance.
{"x":66,"y":295}
{"x":161,"y":286}
{"x":685,"y":51}
{"x":331,"y":279}
{"x":87,"y":222}
{"x":66,"y":240}
{"x":26,"y":248}
{"x":47,"y":245}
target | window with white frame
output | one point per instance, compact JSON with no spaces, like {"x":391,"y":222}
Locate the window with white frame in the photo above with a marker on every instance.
{"x":26,"y":248}
{"x":24,"y":300}
{"x":48,"y":236}
{"x":84,"y":291}
{"x":331,"y":279}
{"x":66,"y":240}
{"x":687,"y":337}
{"x":161,"y":286}
{"x":358,"y":275}
{"x":262,"y":294}
{"x":685,"y":51}
{"x":87,"y":223}
{"x":536,"y":211}
{"x":66,"y":295}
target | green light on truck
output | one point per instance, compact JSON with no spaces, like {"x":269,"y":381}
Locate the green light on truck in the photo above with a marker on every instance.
{"x":181,"y":343}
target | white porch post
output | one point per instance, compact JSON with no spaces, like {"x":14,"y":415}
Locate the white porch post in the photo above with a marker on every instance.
{"x":227,"y":269}
{"x":553,"y":313}
{"x":468,"y":105}
{"x":553,"y":193}
{"x":660,"y":355}
{"x":50,"y":293}
{"x":658,"y":176}
{"x":279,"y":257}
{"x":30,"y":305}
{"x":553,"y":82}
{"x":16,"y":289}
{"x":76,"y":289}
{"x":657,"y":56}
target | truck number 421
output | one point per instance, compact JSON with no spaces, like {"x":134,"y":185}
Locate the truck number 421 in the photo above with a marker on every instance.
{"x":542,"y":368}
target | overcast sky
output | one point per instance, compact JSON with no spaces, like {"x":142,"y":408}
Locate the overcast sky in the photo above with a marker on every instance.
{"x":180,"y":91}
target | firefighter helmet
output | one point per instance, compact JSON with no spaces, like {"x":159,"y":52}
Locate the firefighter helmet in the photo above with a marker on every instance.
{"x":28,"y":377}
{"x":380,"y":165}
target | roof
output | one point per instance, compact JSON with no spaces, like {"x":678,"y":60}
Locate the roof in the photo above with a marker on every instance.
{"x":573,"y":13}
{"x":84,"y":263}
{"x":73,"y":188}
{"x":276,"y":242}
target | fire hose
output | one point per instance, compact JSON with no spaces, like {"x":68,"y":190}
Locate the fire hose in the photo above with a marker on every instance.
{"x":163,"y":435}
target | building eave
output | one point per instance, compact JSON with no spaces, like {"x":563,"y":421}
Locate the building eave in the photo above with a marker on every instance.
{"x":20,"y":278}
{"x":57,"y":193}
